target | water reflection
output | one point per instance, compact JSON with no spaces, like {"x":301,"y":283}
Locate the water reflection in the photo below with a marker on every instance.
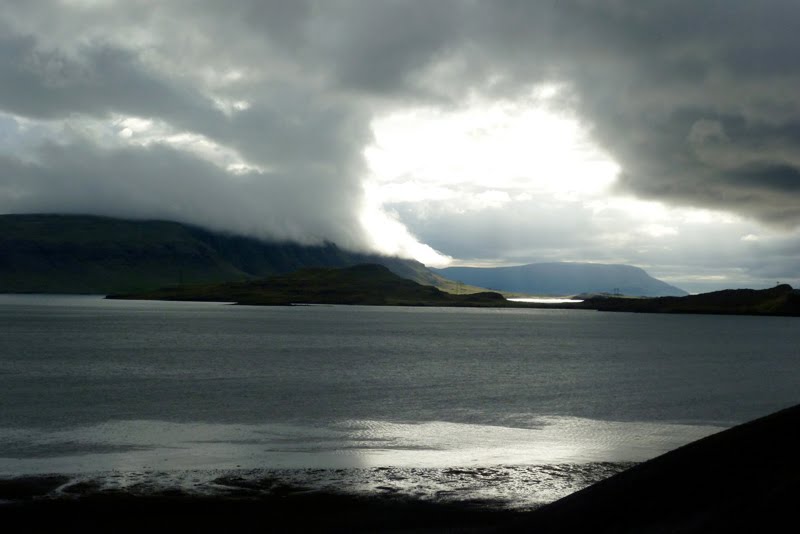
{"x":143,"y":445}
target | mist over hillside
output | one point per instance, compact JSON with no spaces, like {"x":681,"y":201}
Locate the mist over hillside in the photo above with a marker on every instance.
{"x":88,"y":254}
{"x":91,"y":254}
{"x":564,"y":279}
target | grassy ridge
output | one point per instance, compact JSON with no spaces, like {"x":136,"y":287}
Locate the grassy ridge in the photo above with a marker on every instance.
{"x":778,"y":300}
{"x":373,"y":284}
{"x":368,"y":284}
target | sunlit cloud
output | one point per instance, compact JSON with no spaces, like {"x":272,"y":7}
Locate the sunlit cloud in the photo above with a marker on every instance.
{"x":513,"y":146}
{"x":390,"y":236}
{"x":139,"y":131}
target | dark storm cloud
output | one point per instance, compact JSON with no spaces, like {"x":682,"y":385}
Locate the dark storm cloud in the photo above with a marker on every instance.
{"x":381,"y":47}
{"x":308,"y":142}
{"x":297,"y":130}
{"x":50,"y":84}
{"x":686,"y":66}
{"x":645,"y":77}
{"x":697,"y":101}
{"x":158,"y":181}
{"x":290,"y":123}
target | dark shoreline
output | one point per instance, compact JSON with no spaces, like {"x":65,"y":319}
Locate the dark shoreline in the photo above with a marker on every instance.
{"x":287,"y":512}
{"x":200,"y":497}
{"x":743,"y":479}
{"x":375,"y":285}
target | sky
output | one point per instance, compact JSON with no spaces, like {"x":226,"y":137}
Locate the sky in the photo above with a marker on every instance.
{"x":662,"y":134}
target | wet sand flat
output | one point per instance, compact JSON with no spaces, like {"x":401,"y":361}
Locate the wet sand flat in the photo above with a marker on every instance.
{"x":740,"y":480}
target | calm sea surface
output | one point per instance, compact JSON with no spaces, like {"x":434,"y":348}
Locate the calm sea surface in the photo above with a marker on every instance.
{"x":466,"y":403}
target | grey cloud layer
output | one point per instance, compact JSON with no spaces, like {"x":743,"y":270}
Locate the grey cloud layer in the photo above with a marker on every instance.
{"x":158,"y":181}
{"x":697,"y":101}
{"x":529,"y":232}
{"x":306,"y":139}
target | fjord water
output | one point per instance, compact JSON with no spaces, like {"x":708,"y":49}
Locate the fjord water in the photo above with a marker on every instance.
{"x":387,"y":394}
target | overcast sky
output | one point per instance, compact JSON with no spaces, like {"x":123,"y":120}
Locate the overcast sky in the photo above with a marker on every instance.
{"x":659,"y":134}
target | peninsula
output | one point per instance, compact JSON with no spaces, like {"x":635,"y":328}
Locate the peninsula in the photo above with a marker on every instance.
{"x":368,"y":284}
{"x":376,"y":285}
{"x":779,"y":300}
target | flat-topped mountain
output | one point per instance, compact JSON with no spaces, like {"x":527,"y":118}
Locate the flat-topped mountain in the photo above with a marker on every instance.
{"x":368,"y":284}
{"x":88,"y":254}
{"x":564,"y":279}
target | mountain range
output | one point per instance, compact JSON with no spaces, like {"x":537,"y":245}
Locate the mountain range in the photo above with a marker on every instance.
{"x":102,"y":255}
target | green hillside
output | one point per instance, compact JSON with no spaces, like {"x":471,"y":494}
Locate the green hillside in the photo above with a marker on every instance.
{"x":778,"y":300}
{"x":88,"y":254}
{"x":368,"y":284}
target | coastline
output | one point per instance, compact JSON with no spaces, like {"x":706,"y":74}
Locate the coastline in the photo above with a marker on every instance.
{"x":285,"y":511}
{"x":375,"y":285}
{"x":743,"y":479}
{"x":429,"y":496}
{"x":739,"y":480}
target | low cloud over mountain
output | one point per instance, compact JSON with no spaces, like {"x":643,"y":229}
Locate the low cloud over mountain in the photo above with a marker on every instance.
{"x":661,"y":134}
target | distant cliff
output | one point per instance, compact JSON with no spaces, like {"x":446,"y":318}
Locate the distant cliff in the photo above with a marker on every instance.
{"x":87,"y":254}
{"x":564,"y":279}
